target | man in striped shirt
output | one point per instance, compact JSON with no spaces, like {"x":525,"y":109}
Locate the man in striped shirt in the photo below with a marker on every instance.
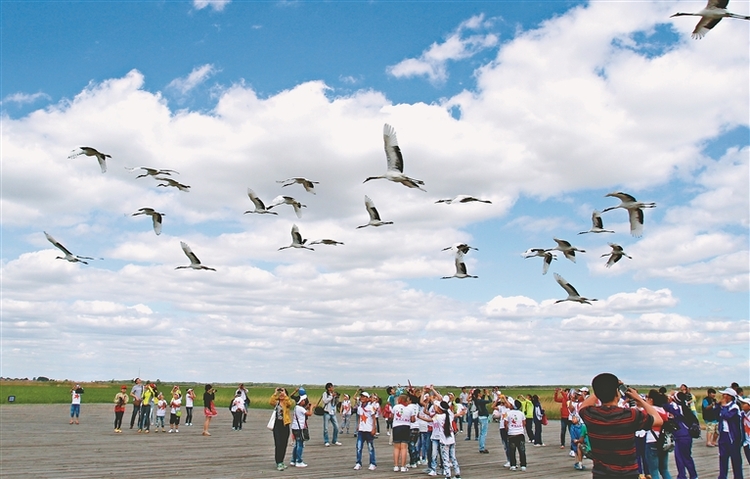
{"x":612,"y":428}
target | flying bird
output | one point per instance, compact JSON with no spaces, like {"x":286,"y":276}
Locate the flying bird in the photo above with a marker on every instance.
{"x":288,"y":200}
{"x":710,"y":16}
{"x":156,"y":217}
{"x":615,"y":255}
{"x":460,"y":268}
{"x":171,"y":182}
{"x":329,"y":242}
{"x":635,"y":210}
{"x":88,"y":151}
{"x":297,"y":241}
{"x":73,"y":258}
{"x":395,"y":171}
{"x":260,"y":207}
{"x":546,"y":254}
{"x":308,"y":184}
{"x":460,"y":247}
{"x":462,"y":199}
{"x":151,"y":171}
{"x":195,"y":263}
{"x":572,"y":293}
{"x":374,"y":216}
{"x":597,"y":226}
{"x":566,"y":249}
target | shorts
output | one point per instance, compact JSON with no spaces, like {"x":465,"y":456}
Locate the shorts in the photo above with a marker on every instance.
{"x":712,"y":427}
{"x":400,"y":434}
{"x":75,"y":410}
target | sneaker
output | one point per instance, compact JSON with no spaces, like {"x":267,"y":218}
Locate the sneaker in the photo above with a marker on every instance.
{"x":388,"y":433}
{"x":572,"y":454}
{"x":404,"y":469}
{"x":176,"y":430}
{"x":337,"y":444}
{"x":327,"y":444}
{"x":139,"y":431}
{"x":467,"y":439}
{"x":523,"y":468}
{"x":432,"y":473}
{"x":395,"y":469}
{"x":279,"y":467}
{"x":372,"y":467}
{"x":293,"y":464}
{"x":485,"y":451}
{"x":357,"y":467}
{"x":537,"y":445}
{"x":507,"y":464}
{"x":513,"y":468}
{"x":301,"y":464}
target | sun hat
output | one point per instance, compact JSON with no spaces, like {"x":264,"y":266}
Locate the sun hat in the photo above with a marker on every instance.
{"x":303,"y":397}
{"x":302,"y":391}
{"x":730,"y":392}
{"x":364,"y":394}
{"x":585,"y":389}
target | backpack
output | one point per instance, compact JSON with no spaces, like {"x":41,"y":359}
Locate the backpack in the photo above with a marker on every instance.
{"x":665,"y":440}
{"x":695,"y":430}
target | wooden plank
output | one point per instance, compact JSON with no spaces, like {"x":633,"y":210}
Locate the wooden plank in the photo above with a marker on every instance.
{"x":36,"y":441}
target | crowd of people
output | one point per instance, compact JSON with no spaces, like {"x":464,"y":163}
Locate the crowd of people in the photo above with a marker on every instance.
{"x":626,"y":434}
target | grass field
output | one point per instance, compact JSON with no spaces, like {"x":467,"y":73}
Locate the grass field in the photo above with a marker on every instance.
{"x":55,"y":392}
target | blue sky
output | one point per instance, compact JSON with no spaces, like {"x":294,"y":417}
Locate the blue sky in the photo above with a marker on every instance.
{"x":541,"y":107}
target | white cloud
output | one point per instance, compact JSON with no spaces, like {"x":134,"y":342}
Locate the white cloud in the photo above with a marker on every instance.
{"x":25,"y":98}
{"x":217,"y":5}
{"x":432,"y":63}
{"x":196,"y":77}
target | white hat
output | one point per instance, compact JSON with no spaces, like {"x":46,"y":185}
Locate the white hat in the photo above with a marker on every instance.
{"x":446,"y":398}
{"x":364,"y":394}
{"x":743,"y":400}
{"x":303,"y":397}
{"x":585,"y":389}
{"x":730,"y":392}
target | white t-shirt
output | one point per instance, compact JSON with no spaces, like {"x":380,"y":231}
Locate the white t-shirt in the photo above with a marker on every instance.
{"x":300,"y":417}
{"x":503,"y":415}
{"x":75,"y":398}
{"x":346,"y":408}
{"x":438,"y":425}
{"x":188,"y":401}
{"x":515,"y":422}
{"x":402,"y":415}
{"x":365,"y":417}
{"x":161,"y":408}
{"x":238,"y":404}
{"x":176,"y":403}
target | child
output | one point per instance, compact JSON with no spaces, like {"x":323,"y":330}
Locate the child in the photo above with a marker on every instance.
{"x":346,"y":413}
{"x":161,"y":411}
{"x":189,"y":398}
{"x":174,"y":412}
{"x":121,"y":399}
{"x":579,"y":435}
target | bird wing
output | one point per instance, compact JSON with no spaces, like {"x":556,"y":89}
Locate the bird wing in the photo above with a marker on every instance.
{"x":156,"y":219}
{"x":596,"y":220}
{"x":460,"y":265}
{"x":566,"y":286}
{"x":616,"y":248}
{"x":636,"y":221}
{"x":296,"y":237}
{"x":370,"y":206}
{"x":562,"y":243}
{"x":189,"y":253}
{"x":75,"y":153}
{"x":392,"y":151}
{"x":256,"y":201}
{"x":57,"y":244}
{"x":705,"y":24}
{"x":717,"y":4}
{"x":548,"y":257}
{"x":624,"y":197}
{"x":102,"y":163}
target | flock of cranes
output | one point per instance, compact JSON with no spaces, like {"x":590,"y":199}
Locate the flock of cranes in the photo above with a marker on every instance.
{"x":710,"y":16}
{"x":395,"y":173}
{"x":635,"y":215}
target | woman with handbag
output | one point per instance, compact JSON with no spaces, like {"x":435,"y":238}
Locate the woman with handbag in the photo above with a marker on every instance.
{"x":282,"y":418}
{"x":302,"y":411}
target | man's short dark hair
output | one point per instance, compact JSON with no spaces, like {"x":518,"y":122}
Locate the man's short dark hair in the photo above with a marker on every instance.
{"x":605,"y":387}
{"x":711,"y":391}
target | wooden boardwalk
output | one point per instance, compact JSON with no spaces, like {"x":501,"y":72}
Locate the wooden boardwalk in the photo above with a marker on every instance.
{"x":36,"y":441}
